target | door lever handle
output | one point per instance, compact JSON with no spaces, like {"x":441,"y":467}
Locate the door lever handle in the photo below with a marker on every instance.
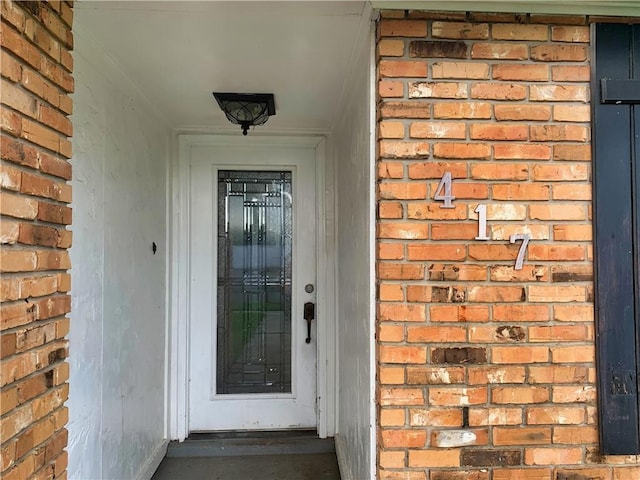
{"x":309,"y":315}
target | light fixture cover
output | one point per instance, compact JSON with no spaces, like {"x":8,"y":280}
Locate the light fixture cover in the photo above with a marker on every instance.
{"x":246,"y":109}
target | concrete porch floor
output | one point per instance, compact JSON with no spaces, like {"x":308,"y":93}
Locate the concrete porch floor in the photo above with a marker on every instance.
{"x":275,"y":455}
{"x":318,"y":466}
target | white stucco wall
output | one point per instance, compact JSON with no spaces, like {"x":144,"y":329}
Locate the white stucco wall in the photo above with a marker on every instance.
{"x":117,"y":337}
{"x":354,"y":290}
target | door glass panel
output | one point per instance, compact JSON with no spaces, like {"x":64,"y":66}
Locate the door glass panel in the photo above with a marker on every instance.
{"x":254,"y":282}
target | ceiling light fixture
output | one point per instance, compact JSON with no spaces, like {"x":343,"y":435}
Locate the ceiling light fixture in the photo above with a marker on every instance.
{"x":246,"y":109}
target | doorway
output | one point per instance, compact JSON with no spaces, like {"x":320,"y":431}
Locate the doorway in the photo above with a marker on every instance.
{"x":253,"y":279}
{"x":249,"y":224}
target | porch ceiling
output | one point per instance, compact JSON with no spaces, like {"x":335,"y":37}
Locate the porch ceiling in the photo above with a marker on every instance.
{"x":178,"y":52}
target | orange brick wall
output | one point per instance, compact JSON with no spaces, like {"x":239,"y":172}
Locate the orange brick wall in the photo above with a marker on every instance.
{"x":466,"y":341}
{"x":35,"y":147}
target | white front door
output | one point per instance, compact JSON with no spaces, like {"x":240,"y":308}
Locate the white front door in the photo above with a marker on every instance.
{"x":252,"y":270}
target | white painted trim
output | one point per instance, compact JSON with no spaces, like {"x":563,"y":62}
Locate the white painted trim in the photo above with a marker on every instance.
{"x":627,"y":8}
{"x":170,"y":148}
{"x":326,"y":356}
{"x":152,"y":464}
{"x":372,"y":252}
{"x":179,"y":339}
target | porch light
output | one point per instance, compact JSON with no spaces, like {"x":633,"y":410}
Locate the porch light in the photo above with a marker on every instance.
{"x":246,"y":109}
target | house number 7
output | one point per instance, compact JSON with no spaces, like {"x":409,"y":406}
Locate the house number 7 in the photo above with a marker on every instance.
{"x":525,"y":237}
{"x":443,"y":193}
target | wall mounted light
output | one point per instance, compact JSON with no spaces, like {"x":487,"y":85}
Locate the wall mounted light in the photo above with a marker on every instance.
{"x":246,"y":109}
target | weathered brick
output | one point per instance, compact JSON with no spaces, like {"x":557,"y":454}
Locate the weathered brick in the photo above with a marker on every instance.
{"x":438,"y":90}
{"x":437,"y":130}
{"x":481,"y":474}
{"x":458,"y":110}
{"x":393,"y":354}
{"x":519,"y":354}
{"x":565,"y":33}
{"x":408,"y":150}
{"x":399,"y":271}
{"x":436,"y":169}
{"x":520,"y":72}
{"x":522,"y":112}
{"x":559,"y":333}
{"x":390,"y":129}
{"x":390,"y":210}
{"x":559,"y":53}
{"x":391,"y":48}
{"x":570,"y":73}
{"x":435,"y":375}
{"x":488,"y":458}
{"x":459,"y":30}
{"x":559,"y":93}
{"x":508,"y":31}
{"x":522,"y":474}
{"x":461,"y":150}
{"x":390,"y":89}
{"x":496,"y":294}
{"x":452,"y":396}
{"x":521,"y":191}
{"x":558,"y":374}
{"x":572,"y":113}
{"x":556,"y":133}
{"x":500,"y":171}
{"x":458,"y":355}
{"x":391,"y":333}
{"x":498,"y":91}
{"x":495,"y":375}
{"x":437,"y":49}
{"x":471,"y":313}
{"x":405,"y":230}
{"x":552,"y":456}
{"x":391,"y":109}
{"x":403,"y":68}
{"x":572,"y":152}
{"x":501,"y":131}
{"x":403,"y":28}
{"x":573,"y":232}
{"x":462,"y":70}
{"x":500,"y":51}
{"x":452,"y":252}
{"x":392,"y":418}
{"x":519,"y":395}
{"x":441,"y":417}
{"x":401,"y":313}
{"x":521,"y":436}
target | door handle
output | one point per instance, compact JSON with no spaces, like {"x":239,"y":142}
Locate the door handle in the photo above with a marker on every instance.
{"x":309,"y":315}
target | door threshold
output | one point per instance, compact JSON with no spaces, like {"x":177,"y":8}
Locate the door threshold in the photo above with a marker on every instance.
{"x":302,"y":432}
{"x":237,"y":443}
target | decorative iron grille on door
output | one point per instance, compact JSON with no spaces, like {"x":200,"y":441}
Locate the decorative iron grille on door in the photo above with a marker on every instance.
{"x":254,"y":282}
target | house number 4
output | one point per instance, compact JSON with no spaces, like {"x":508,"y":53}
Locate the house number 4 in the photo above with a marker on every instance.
{"x":443,"y":193}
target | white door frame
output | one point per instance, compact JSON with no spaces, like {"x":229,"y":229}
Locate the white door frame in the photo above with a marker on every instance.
{"x":178,"y":334}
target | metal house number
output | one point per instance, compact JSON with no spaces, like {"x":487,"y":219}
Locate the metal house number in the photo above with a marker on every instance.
{"x":443,"y":193}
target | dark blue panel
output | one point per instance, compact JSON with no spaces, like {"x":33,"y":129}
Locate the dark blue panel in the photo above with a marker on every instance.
{"x":614,"y":185}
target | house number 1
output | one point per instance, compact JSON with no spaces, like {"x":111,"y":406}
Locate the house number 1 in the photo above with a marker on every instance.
{"x":444,"y":193}
{"x":481,"y":210}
